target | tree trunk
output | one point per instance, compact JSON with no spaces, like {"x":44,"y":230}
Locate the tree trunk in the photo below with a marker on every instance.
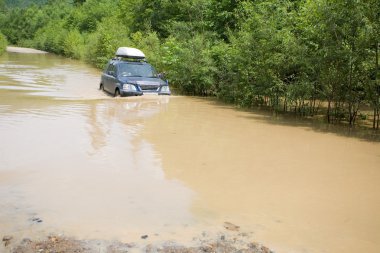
{"x":374,"y":117}
{"x":303,"y":108}
{"x":313,"y":99}
{"x":328,"y":111}
{"x":312,"y":107}
{"x":350,"y":114}
{"x":377,"y":87}
{"x":350,"y":104}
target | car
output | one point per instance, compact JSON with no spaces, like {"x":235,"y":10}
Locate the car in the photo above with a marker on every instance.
{"x":129,"y":74}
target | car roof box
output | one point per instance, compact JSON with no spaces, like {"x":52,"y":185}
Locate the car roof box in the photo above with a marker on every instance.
{"x":130,"y":52}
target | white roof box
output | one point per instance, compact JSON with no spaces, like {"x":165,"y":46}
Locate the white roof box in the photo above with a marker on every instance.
{"x":130,"y":52}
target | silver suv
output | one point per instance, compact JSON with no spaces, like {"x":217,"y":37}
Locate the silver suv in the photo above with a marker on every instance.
{"x":128,"y":74}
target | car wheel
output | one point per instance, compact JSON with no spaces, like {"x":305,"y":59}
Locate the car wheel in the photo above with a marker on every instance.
{"x":117,"y":93}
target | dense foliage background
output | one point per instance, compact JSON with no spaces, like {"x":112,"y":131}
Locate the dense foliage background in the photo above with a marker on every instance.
{"x":23,"y":3}
{"x":3,"y":43}
{"x":300,"y":56}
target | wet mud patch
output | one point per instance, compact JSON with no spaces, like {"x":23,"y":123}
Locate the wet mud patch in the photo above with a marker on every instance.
{"x":221,"y":243}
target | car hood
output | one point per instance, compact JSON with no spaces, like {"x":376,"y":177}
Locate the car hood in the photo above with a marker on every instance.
{"x":142,"y":81}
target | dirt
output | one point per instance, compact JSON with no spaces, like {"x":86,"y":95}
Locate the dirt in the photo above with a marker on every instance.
{"x":55,"y":244}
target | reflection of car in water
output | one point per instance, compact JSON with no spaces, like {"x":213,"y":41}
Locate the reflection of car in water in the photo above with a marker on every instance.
{"x":128,"y":74}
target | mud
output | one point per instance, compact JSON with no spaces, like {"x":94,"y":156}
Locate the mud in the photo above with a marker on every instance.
{"x":223,"y":243}
{"x":23,"y":50}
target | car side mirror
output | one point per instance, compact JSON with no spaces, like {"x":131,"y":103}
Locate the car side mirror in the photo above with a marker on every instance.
{"x":161,"y":75}
{"x":111,"y":73}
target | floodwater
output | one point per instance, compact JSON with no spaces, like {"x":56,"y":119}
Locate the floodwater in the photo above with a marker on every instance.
{"x":76,"y":161}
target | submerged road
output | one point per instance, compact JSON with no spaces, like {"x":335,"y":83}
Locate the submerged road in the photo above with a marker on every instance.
{"x":76,"y":161}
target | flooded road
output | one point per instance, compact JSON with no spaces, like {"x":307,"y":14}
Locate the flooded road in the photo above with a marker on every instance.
{"x":74,"y":160}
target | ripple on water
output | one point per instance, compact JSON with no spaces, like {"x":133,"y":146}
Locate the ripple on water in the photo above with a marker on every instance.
{"x":46,"y":77}
{"x":17,"y":66}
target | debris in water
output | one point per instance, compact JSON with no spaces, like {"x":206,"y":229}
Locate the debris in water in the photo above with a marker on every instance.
{"x":229,"y":226}
{"x":38,"y":220}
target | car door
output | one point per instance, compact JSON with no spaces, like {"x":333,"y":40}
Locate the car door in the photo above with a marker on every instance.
{"x":110,"y":79}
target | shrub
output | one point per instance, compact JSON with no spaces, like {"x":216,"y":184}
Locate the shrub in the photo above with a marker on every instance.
{"x":3,"y":43}
{"x":189,"y":65}
{"x":102,"y":43}
{"x":51,"y":37}
{"x":73,"y":45}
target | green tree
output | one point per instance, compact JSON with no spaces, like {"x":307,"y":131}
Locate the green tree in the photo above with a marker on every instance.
{"x":341,"y":42}
{"x":103,"y":42}
{"x":23,"y":23}
{"x":189,"y":65}
{"x":87,"y":16}
{"x":3,"y":43}
{"x":73,"y":45}
{"x":221,"y":17}
{"x":161,"y":15}
{"x":372,"y":13}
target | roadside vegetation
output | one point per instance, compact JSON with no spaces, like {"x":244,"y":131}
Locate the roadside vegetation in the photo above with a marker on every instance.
{"x":306,"y":57}
{"x":3,"y":43}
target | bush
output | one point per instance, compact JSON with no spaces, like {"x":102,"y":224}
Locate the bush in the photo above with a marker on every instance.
{"x":100,"y":49}
{"x":150,"y":44}
{"x":3,"y":43}
{"x":51,"y":38}
{"x":189,"y":65}
{"x":102,"y":43}
{"x":73,"y":45}
{"x":28,"y":43}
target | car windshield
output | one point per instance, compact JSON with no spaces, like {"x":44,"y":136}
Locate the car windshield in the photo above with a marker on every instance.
{"x":137,"y":69}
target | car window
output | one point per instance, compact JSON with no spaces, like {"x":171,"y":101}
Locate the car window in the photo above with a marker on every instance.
{"x":111,"y":68}
{"x":140,"y":70}
{"x":106,"y":67}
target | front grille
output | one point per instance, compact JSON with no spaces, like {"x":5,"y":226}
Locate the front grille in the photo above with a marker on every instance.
{"x":149,"y":87}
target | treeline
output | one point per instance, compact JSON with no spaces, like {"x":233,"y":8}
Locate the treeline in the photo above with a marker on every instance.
{"x":23,"y":3}
{"x":302,"y":56}
{"x":3,"y":43}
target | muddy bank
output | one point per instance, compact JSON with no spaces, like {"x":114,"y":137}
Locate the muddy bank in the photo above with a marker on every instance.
{"x":24,"y":50}
{"x":238,"y":242}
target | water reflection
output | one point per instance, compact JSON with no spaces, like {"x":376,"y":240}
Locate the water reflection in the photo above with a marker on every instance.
{"x":48,"y":75}
{"x":298,"y":190}
{"x":111,"y":180}
{"x":131,"y":113}
{"x":79,"y":163}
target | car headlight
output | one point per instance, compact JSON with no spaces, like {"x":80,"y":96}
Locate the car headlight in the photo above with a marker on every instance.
{"x":165,"y":89}
{"x":130,"y":87}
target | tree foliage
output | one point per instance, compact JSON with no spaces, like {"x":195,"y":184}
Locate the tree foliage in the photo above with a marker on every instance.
{"x":3,"y":43}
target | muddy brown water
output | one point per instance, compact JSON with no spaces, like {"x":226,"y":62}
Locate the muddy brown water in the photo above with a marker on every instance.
{"x":76,"y":161}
